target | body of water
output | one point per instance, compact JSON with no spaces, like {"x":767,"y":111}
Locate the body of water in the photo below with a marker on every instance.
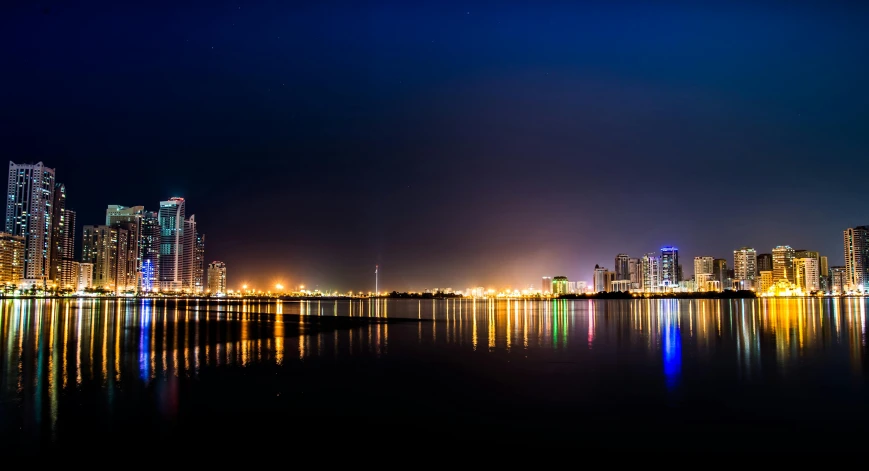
{"x":603,"y":373}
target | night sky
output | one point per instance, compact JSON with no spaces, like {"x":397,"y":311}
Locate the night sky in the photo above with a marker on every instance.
{"x":456,"y":144}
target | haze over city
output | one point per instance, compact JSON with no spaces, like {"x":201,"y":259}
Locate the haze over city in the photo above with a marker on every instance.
{"x":453,"y":145}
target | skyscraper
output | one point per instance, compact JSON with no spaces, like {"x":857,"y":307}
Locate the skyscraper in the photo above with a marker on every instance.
{"x":623,"y":271}
{"x":173,"y":263}
{"x":806,"y":274}
{"x":546,"y":285}
{"x":651,"y":268}
{"x":129,"y":219}
{"x":217,"y":278}
{"x":63,"y":272}
{"x":838,"y":279}
{"x":149,"y":247}
{"x":719,"y":271}
{"x":635,"y":273}
{"x":856,"y":259}
{"x":107,"y":249}
{"x":669,"y":267}
{"x":600,"y":279}
{"x":764,"y":262}
{"x":703,"y":268}
{"x":28,"y":214}
{"x":744,"y":268}
{"x":11,"y":259}
{"x":199,"y":273}
{"x":783,"y":263}
{"x":824,"y":274}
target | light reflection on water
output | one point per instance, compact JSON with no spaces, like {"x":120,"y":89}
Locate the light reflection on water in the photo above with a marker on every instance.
{"x":55,"y":348}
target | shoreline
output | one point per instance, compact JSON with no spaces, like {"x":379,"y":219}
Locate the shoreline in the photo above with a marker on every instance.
{"x":603,"y":296}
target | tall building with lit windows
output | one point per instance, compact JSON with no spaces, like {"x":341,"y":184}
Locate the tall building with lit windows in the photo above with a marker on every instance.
{"x":764,"y":262}
{"x":703,"y":272}
{"x":199,"y":273}
{"x":149,"y":248}
{"x":177,"y":247}
{"x":107,"y":249}
{"x":670,"y":276}
{"x":63,"y":271}
{"x":623,"y":270}
{"x":806,"y":274}
{"x":559,"y":285}
{"x":30,"y":195}
{"x":856,"y":259}
{"x":217,"y":278}
{"x":651,"y":271}
{"x":129,"y":219}
{"x":744,"y":268}
{"x":546,"y":285}
{"x":11,"y":259}
{"x":783,"y":263}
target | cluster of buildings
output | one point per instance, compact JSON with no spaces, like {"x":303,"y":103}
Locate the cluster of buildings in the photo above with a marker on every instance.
{"x":784,"y":271}
{"x":135,"y":251}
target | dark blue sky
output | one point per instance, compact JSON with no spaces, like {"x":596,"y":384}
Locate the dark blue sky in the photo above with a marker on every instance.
{"x":455,"y":143}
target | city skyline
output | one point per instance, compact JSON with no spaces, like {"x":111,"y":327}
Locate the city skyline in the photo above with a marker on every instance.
{"x":490,"y":145}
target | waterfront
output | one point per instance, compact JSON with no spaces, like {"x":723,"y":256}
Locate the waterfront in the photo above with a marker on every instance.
{"x":72,"y":371}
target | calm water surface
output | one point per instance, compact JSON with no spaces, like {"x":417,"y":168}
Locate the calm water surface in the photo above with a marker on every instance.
{"x":74,"y":372}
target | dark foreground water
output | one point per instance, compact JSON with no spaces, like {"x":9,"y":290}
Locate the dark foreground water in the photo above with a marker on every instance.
{"x":744,"y":375}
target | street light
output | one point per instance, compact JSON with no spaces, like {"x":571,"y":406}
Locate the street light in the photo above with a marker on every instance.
{"x":279,"y":286}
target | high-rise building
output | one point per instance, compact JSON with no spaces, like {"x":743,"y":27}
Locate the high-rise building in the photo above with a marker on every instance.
{"x":546,"y":285}
{"x":571,"y":287}
{"x":719,"y":271}
{"x":744,"y":268}
{"x":857,"y":259}
{"x":783,"y":263}
{"x":85,"y":276}
{"x":764,"y":262}
{"x":107,"y":248}
{"x":651,"y":268}
{"x":581,"y":286}
{"x":177,"y":246}
{"x":670,"y":275}
{"x":703,"y":268}
{"x":217,"y":278}
{"x":149,"y":248}
{"x":559,"y":285}
{"x":824,"y":274}
{"x":29,"y":215}
{"x":62,"y":242}
{"x":11,"y":259}
{"x":838,"y":279}
{"x":622,"y":270}
{"x":765,"y":281}
{"x":199,"y":273}
{"x":129,"y":219}
{"x":635,"y":273}
{"x":600,"y":279}
{"x":806,"y":274}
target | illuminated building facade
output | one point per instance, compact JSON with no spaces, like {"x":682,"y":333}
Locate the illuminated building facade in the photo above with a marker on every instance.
{"x":670,"y":276}
{"x":635,"y":273}
{"x":178,"y":248}
{"x":623,"y":270}
{"x":559,"y":285}
{"x":149,"y":248}
{"x":806,"y":274}
{"x":29,"y":215}
{"x":765,"y":280}
{"x":824,"y":274}
{"x":85,"y":276}
{"x":783,"y":263}
{"x":11,"y":259}
{"x":62,"y":242}
{"x":217,"y":278}
{"x":199,"y":273}
{"x":744,"y":268}
{"x":600,"y":279}
{"x":546,"y":285}
{"x":651,"y":267}
{"x":107,"y":248}
{"x":856,"y":259}
{"x":130,"y":220}
{"x":838,"y":279}
{"x":703,"y":268}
